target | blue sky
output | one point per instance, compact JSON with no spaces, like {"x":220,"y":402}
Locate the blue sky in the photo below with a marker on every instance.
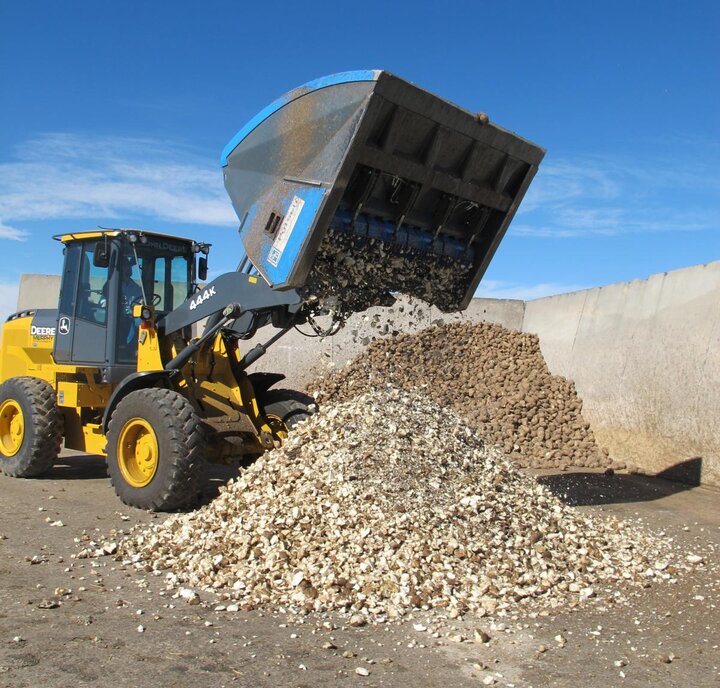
{"x":115,"y":114}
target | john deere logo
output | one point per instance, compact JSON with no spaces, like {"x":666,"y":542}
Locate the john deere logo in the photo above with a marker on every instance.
{"x":64,"y":325}
{"x":42,"y":332}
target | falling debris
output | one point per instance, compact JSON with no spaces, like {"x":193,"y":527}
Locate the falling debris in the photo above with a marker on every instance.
{"x":355,"y":273}
{"x":387,"y":503}
{"x":496,"y":378}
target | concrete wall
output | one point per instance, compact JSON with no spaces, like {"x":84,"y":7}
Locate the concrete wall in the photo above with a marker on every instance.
{"x":38,"y":291}
{"x":645,"y":357}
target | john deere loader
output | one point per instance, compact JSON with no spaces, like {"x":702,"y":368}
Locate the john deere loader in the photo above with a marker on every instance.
{"x":403,"y":182}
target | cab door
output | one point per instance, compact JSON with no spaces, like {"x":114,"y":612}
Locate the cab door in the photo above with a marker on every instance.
{"x":81,"y":334}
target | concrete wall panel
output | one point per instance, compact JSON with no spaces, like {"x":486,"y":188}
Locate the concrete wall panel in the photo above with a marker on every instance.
{"x":645,"y":356}
{"x":38,"y":291}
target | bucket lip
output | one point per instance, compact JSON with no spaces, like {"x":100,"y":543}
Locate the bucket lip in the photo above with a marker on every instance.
{"x":309,"y":87}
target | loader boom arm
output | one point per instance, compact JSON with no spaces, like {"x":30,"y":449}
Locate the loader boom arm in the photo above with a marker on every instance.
{"x":252,"y":294}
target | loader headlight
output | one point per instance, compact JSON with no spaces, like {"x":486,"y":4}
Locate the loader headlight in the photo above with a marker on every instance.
{"x":146,"y":313}
{"x":199,"y":247}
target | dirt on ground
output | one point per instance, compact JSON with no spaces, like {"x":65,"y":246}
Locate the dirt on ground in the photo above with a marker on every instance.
{"x":70,"y":622}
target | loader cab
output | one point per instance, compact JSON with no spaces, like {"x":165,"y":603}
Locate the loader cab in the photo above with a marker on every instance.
{"x":104,"y":275}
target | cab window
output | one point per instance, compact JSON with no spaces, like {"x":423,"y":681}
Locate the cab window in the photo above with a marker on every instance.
{"x":91,"y":302}
{"x":171,"y":282}
{"x":179,"y":280}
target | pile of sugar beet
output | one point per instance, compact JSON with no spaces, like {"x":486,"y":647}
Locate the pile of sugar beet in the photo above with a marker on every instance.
{"x":388,"y":503}
{"x":495,"y":378}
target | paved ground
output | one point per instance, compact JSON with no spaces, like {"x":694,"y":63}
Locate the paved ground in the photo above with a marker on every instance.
{"x":667,"y":636}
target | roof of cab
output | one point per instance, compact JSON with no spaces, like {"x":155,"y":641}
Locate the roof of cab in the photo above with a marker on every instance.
{"x":100,"y":233}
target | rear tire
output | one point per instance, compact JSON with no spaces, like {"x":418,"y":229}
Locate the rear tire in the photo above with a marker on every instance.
{"x":289,"y":406}
{"x":30,"y":427}
{"x":156,"y":451}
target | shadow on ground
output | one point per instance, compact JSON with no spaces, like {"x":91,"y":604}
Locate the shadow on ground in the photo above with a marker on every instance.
{"x":79,"y":466}
{"x":580,"y":488}
{"x":590,"y":489}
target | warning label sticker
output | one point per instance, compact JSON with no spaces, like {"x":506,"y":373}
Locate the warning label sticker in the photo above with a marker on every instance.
{"x":286,"y":228}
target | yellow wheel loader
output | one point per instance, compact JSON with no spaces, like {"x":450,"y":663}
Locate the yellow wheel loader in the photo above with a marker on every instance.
{"x":349,"y":189}
{"x":115,"y":369}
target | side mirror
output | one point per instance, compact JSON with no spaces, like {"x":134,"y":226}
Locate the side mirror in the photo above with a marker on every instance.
{"x":101,"y":255}
{"x":202,"y":268}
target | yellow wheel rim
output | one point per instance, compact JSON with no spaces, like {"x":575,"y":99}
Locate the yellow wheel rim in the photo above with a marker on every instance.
{"x":279,"y":428}
{"x":12,"y":427}
{"x":137,"y":452}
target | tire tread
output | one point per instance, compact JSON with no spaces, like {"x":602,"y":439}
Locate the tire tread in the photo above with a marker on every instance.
{"x":289,"y":404}
{"x":185,"y":453}
{"x":47,"y":427}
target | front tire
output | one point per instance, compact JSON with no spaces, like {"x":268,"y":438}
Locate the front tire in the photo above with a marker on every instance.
{"x":156,"y":451}
{"x":30,"y":427}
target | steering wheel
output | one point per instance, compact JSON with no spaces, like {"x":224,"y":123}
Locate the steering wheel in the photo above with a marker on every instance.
{"x":156,"y":299}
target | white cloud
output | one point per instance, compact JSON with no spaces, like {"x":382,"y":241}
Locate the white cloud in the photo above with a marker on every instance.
{"x":8,"y":299}
{"x":609,"y":196}
{"x":562,"y":182}
{"x":113,"y":179}
{"x":69,"y":176}
{"x":8,"y":232}
{"x":499,"y":289}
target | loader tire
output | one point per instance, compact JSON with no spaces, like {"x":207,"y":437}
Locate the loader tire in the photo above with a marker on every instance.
{"x":289,"y":406}
{"x":156,"y":451}
{"x":30,"y":427}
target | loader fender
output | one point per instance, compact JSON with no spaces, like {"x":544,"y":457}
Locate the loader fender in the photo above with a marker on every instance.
{"x":133,"y":383}
{"x":262,"y":382}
